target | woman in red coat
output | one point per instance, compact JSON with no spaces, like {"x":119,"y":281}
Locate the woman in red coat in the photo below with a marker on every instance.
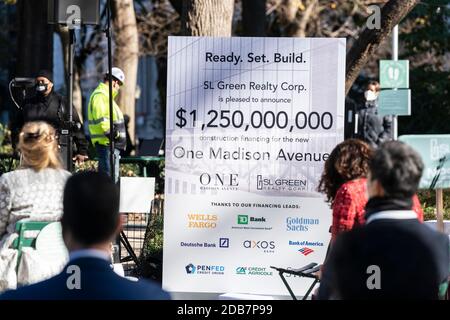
{"x":344,"y":183}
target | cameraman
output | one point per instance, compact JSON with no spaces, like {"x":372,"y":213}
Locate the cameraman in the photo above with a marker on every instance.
{"x":47,"y":105}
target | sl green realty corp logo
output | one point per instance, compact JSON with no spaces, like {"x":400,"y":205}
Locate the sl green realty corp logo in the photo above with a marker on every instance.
{"x":242,"y":219}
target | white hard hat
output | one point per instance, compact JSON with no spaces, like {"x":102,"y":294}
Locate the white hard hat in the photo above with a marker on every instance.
{"x":118,"y":74}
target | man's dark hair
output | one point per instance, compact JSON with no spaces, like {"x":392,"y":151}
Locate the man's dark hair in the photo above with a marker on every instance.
{"x":91,"y":207}
{"x":398,"y":168}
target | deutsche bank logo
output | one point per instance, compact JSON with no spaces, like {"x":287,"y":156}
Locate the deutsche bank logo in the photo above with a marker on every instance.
{"x":224,"y":242}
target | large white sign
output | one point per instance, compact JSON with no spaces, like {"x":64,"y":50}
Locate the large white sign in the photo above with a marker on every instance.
{"x":250,"y":122}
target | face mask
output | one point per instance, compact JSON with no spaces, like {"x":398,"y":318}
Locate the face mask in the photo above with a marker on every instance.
{"x":41,"y":88}
{"x":370,"y":95}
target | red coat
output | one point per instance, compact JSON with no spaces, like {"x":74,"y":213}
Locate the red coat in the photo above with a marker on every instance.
{"x":349,"y":203}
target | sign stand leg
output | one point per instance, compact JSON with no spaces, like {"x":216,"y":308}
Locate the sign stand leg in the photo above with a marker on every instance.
{"x":440,"y":209}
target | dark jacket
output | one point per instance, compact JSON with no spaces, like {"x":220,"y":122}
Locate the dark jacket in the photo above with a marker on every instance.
{"x":373,"y":128}
{"x":53,"y":110}
{"x":414,"y":259}
{"x":98,"y":282}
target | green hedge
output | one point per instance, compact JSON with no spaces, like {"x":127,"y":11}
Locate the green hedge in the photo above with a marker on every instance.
{"x":428,"y":200}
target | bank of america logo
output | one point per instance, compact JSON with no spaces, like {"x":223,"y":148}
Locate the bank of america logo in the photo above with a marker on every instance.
{"x":305,"y":251}
{"x":259,"y":182}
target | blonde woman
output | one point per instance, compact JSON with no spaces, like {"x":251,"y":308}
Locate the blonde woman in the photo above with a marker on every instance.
{"x":33,"y":192}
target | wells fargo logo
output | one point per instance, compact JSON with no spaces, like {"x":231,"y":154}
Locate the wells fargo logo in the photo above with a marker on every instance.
{"x":202,"y":221}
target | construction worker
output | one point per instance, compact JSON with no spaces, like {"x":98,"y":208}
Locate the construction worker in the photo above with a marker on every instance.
{"x":99,"y":123}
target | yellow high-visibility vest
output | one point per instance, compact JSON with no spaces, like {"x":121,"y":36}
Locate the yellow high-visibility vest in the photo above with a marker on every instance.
{"x":98,"y":117}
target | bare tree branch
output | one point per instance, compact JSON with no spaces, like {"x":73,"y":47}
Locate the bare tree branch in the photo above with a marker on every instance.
{"x":370,"y":39}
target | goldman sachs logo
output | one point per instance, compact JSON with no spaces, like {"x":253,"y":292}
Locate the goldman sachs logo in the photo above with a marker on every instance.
{"x":280,"y":184}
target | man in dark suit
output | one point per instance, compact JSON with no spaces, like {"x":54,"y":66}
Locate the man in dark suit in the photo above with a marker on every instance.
{"x":393,"y":256}
{"x":90,"y":222}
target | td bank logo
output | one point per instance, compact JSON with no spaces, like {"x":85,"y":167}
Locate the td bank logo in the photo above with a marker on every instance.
{"x":242,"y":219}
{"x":202,"y":221}
{"x":250,"y":222}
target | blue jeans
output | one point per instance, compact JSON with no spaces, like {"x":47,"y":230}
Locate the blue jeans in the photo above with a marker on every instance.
{"x":104,"y":165}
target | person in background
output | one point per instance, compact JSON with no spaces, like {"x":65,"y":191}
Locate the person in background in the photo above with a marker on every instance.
{"x":49,"y":106}
{"x":99,"y":123}
{"x":371,"y":127}
{"x":344,"y":182}
{"x":91,"y":220}
{"x":393,"y":256}
{"x":33,"y":192}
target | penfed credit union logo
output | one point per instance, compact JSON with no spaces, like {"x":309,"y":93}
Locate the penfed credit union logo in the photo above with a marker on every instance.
{"x":280,"y":184}
{"x":204,"y":269}
{"x":300,"y":224}
{"x":202,"y":221}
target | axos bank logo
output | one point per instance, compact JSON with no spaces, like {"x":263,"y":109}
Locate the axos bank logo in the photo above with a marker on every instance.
{"x":219,"y":181}
{"x":267,"y":246}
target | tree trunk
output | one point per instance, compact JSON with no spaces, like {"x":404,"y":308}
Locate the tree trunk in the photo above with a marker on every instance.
{"x":207,"y":18}
{"x":296,"y":27}
{"x":254,"y":18}
{"x":35,"y":38}
{"x":370,"y":39}
{"x":63,"y":33}
{"x":126,"y":56}
{"x":77,"y":94}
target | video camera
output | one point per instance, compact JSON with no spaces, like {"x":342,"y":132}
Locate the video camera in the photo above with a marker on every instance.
{"x":22,"y":84}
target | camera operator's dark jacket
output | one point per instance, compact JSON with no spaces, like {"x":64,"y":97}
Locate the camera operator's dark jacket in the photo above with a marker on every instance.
{"x":52,"y":109}
{"x":371,"y":127}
